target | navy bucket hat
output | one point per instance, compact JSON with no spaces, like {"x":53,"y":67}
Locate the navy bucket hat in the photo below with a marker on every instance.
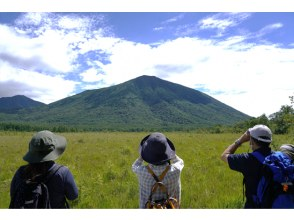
{"x":157,"y":149}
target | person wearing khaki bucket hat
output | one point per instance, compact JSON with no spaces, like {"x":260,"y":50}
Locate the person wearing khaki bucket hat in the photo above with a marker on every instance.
{"x":157,"y":157}
{"x":259,"y":138}
{"x":44,"y":148}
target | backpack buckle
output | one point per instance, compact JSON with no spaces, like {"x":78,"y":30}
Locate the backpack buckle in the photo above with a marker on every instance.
{"x":286,"y":185}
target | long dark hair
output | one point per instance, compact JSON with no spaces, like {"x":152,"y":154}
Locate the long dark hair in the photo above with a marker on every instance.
{"x":35,"y":170}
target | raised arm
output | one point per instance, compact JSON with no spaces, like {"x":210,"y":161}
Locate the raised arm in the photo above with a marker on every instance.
{"x":233,"y":147}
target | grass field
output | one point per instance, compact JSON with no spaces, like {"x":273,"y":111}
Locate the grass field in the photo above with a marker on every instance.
{"x":101,"y":164}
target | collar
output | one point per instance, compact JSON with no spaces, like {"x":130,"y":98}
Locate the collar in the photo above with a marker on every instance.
{"x":264,"y":150}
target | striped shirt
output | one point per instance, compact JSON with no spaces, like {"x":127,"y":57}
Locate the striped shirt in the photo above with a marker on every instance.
{"x":171,"y":180}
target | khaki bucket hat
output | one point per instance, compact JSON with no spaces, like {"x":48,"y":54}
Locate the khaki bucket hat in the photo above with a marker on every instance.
{"x":288,"y":149}
{"x":45,"y":146}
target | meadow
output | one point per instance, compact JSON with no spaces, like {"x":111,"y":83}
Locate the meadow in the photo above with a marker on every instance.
{"x":101,"y":164}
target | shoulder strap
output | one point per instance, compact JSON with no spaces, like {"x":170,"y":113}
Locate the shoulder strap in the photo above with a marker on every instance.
{"x":259,"y":156}
{"x":152,"y":173}
{"x":162,"y":175}
{"x":158,"y":179}
{"x":50,"y":173}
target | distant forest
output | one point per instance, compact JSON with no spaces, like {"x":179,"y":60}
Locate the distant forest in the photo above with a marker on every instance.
{"x":281,"y":122}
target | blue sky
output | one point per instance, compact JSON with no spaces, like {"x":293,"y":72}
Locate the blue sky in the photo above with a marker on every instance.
{"x":244,"y":60}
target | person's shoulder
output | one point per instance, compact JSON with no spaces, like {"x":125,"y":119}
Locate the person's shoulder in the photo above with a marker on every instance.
{"x":60,"y":169}
{"x":21,"y":170}
{"x":239,"y":160}
{"x":19,"y":173}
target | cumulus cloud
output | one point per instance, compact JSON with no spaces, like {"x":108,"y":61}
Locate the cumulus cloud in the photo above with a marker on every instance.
{"x":43,"y":88}
{"x":237,"y":73}
{"x":40,"y":51}
{"x":51,"y":56}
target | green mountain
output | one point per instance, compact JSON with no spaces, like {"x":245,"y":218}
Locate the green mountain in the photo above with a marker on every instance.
{"x":144,"y":103}
{"x":15,"y":103}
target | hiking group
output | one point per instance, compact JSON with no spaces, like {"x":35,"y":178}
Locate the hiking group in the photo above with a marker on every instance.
{"x":268,"y":175}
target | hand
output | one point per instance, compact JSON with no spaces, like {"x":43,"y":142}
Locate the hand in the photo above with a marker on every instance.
{"x":245,"y":137}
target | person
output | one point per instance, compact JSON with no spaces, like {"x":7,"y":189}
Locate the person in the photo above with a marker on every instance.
{"x":288,"y":149}
{"x":44,"y":148}
{"x":275,"y":189}
{"x":158,"y":152}
{"x":260,"y":138}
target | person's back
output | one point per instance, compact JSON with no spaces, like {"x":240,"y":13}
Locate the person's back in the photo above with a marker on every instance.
{"x":167,"y":160}
{"x":260,"y":137}
{"x":44,"y":148}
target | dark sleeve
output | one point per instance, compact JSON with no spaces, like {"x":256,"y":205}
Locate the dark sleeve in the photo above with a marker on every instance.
{"x":15,"y":181}
{"x":71,"y":189}
{"x":238,"y":162}
{"x":12,"y":185}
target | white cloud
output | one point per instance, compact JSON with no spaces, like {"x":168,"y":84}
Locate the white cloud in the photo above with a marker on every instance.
{"x":90,"y":75}
{"x":210,"y":23}
{"x":267,"y":29}
{"x":41,"y":87}
{"x":222,"y":21}
{"x":254,"y":78}
{"x":47,"y":52}
{"x":174,"y":19}
{"x":43,"y":48}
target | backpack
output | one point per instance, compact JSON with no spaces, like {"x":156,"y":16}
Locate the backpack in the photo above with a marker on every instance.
{"x":165,"y":203}
{"x":33,"y":194}
{"x":275,"y":188}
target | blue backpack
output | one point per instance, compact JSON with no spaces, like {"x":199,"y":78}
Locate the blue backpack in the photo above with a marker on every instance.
{"x":275,"y":188}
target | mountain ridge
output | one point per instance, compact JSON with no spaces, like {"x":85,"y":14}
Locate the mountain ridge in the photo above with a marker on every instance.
{"x":143,"y":103}
{"x":17,"y":102}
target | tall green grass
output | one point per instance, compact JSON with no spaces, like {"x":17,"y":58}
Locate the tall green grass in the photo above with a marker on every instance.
{"x":101,"y":164}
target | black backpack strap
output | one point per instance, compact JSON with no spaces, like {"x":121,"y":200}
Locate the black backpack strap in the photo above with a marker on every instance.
{"x":51,"y":173}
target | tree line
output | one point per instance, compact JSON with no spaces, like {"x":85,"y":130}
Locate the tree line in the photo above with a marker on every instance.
{"x":281,"y":122}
